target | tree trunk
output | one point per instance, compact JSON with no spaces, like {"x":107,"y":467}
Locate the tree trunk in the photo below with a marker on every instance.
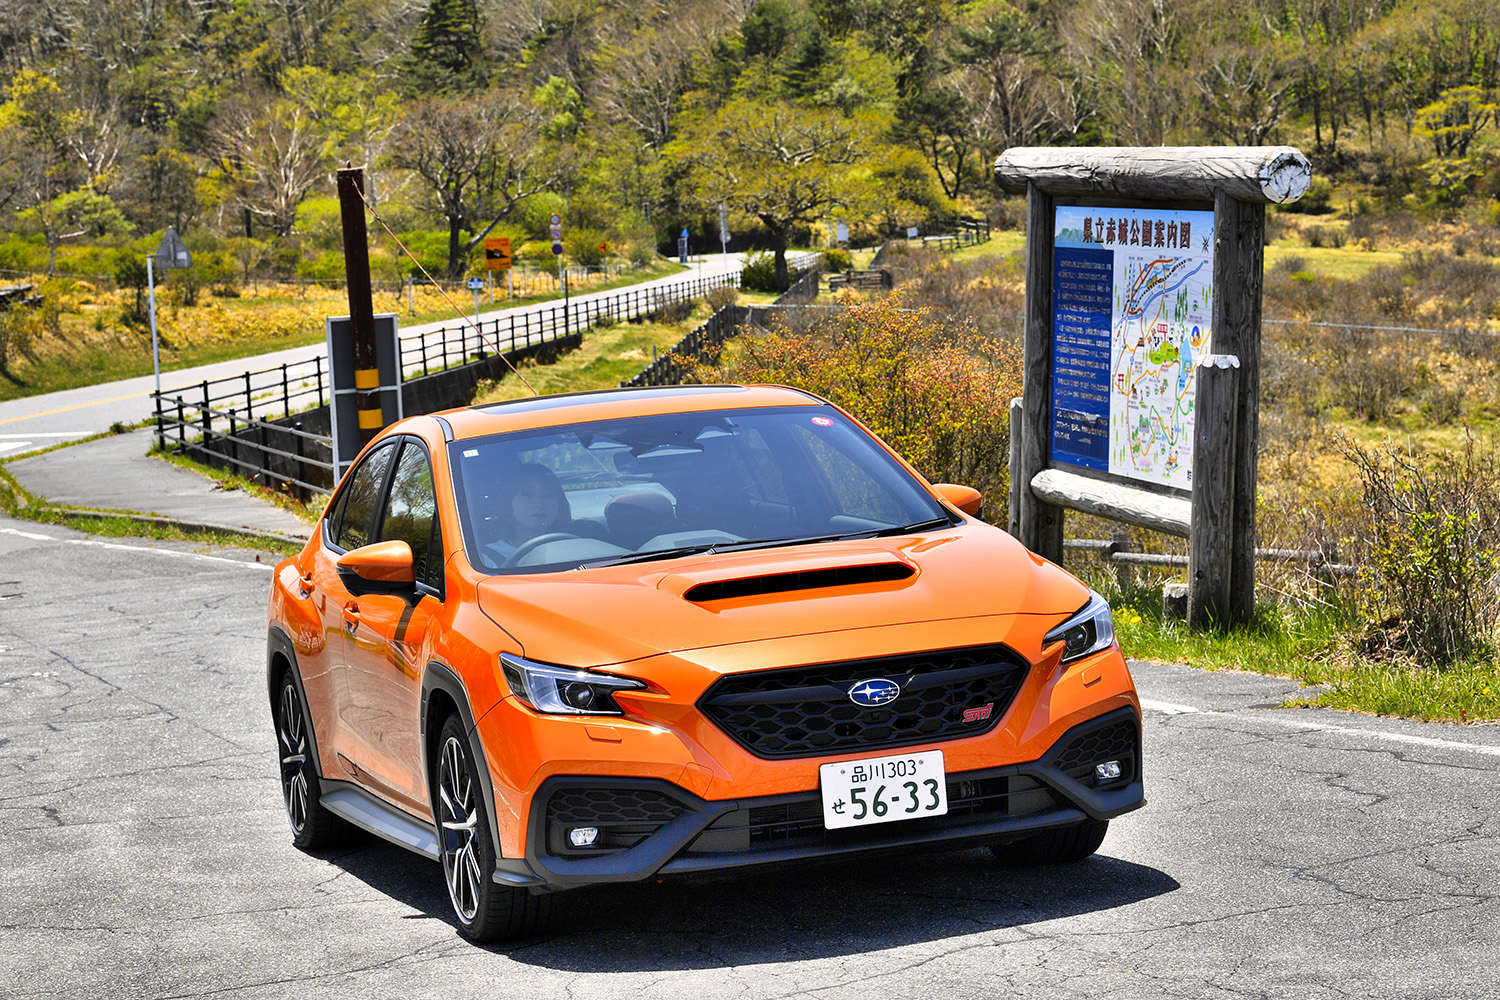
{"x":783,"y":278}
{"x":455,"y":249}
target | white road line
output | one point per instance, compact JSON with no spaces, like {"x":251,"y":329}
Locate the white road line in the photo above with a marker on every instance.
{"x":1168,"y":708}
{"x":173,"y":553}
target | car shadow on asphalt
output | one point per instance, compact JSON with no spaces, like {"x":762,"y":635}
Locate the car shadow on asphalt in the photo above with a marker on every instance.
{"x":818,"y":910}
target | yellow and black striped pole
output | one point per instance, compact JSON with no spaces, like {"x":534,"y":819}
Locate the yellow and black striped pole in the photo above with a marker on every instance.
{"x":351,"y":184}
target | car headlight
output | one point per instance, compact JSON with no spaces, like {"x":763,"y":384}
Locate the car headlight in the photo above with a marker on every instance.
{"x":1089,"y":631}
{"x":560,"y":691}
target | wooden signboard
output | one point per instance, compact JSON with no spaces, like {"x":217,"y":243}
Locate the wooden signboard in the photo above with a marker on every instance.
{"x":1142,"y":348}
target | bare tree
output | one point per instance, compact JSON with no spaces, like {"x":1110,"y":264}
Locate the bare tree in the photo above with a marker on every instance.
{"x":272,"y":157}
{"x":1245,"y":92}
{"x":478,"y":158}
{"x":639,"y":83}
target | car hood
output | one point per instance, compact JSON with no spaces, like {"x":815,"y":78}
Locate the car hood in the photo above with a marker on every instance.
{"x":612,"y":615}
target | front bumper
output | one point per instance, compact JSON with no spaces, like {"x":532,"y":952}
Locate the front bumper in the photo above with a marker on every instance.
{"x":653,"y":828}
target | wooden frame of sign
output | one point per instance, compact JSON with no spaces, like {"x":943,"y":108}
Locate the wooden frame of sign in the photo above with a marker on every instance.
{"x":1199,"y":484}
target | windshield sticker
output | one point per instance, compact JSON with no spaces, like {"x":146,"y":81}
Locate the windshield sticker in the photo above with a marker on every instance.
{"x":822,"y":421}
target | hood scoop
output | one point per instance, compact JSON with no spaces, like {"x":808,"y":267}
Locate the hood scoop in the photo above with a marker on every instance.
{"x":807,"y":579}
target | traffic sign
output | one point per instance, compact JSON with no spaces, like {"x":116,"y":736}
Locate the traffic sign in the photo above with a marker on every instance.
{"x":557,"y":249}
{"x":604,"y":248}
{"x":476,"y":284}
{"x":555,"y":219}
{"x":172,"y":252}
{"x":497,"y":253}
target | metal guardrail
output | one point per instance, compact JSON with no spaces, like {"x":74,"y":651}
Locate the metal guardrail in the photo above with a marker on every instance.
{"x":191,"y":418}
{"x":703,"y":343}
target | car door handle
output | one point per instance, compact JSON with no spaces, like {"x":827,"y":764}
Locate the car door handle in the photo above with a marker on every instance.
{"x":351,"y":615}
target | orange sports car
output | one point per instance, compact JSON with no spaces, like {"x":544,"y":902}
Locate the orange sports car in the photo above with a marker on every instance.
{"x":644,"y":633}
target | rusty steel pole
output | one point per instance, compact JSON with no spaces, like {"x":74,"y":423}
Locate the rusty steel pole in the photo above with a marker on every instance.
{"x":351,"y":183}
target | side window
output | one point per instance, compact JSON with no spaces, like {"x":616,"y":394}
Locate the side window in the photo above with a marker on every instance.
{"x":411,"y":515}
{"x":353,"y":526}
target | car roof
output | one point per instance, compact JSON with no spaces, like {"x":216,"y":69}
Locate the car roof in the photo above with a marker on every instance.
{"x":609,"y":404}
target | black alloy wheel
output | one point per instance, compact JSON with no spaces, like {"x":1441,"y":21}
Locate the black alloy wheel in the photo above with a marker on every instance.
{"x":313,"y":826}
{"x":486,"y":911}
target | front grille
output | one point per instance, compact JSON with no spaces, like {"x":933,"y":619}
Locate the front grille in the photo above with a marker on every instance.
{"x":806,"y":711}
{"x":1115,"y":741}
{"x":623,"y":816}
{"x":797,"y":821}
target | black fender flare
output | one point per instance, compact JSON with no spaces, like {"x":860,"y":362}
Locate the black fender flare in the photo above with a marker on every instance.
{"x":440,"y":677}
{"x":278,"y":643}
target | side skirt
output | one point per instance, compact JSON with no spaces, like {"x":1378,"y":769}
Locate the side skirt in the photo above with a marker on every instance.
{"x":380,"y":818}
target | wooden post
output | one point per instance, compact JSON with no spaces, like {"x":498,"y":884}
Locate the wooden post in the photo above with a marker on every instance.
{"x":351,"y":186}
{"x":1040,"y":523}
{"x":1239,"y":268}
{"x":1211,"y":552}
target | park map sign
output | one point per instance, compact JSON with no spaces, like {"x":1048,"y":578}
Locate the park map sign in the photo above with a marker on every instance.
{"x":1132,"y":307}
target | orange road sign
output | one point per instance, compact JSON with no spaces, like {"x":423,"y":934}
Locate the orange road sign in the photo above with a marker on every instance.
{"x":497,"y":253}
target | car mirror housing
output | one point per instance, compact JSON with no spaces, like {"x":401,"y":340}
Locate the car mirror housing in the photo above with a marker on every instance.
{"x":381,"y":568}
{"x":965,"y":498}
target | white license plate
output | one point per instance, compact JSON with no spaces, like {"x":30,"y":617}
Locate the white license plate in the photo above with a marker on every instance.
{"x":883,"y":789}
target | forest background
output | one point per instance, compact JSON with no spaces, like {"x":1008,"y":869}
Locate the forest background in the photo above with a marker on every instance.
{"x":227,"y":118}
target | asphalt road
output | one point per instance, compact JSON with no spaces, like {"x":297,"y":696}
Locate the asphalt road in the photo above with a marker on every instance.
{"x":39,"y":421}
{"x":144,"y":851}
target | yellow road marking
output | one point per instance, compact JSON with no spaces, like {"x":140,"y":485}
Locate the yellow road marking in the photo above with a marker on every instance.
{"x":75,"y":406}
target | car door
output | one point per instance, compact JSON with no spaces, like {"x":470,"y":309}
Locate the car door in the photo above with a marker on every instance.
{"x":347,"y":526}
{"x":388,"y":637}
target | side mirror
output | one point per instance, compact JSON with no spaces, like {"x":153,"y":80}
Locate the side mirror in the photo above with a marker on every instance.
{"x":382,"y":568}
{"x":965,"y":498}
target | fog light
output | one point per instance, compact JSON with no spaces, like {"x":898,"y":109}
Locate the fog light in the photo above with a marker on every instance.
{"x":584,"y":836}
{"x":1107,"y":771}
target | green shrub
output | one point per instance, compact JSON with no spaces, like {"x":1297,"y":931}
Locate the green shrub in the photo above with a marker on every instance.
{"x":1434,"y":551}
{"x":430,"y":247}
{"x":1315,"y":200}
{"x":759,"y":273}
{"x":326,"y":268}
{"x":583,"y":246}
{"x":837,"y":260}
{"x":719,"y":298}
{"x":931,"y":386}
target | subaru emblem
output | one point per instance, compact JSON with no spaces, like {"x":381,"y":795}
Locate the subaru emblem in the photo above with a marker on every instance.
{"x":875,"y":692}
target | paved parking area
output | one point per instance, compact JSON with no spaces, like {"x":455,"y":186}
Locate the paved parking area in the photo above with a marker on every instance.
{"x":144,"y":852}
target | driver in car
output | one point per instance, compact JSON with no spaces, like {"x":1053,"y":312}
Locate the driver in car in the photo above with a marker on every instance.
{"x":531,"y":503}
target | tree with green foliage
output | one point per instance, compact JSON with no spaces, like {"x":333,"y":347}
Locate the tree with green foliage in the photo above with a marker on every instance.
{"x":940,"y":124}
{"x":445,"y":56}
{"x":779,"y":164}
{"x":1453,"y":120}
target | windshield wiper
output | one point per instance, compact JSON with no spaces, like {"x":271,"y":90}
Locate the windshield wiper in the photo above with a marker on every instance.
{"x":681,"y":550}
{"x":911,"y":529}
{"x":772,"y":543}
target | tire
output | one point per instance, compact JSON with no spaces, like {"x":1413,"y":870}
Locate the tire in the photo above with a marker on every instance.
{"x":1061,"y":845}
{"x":485,"y":911}
{"x":313,"y":827}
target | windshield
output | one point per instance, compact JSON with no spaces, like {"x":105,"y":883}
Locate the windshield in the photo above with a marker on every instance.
{"x":653,"y":487}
